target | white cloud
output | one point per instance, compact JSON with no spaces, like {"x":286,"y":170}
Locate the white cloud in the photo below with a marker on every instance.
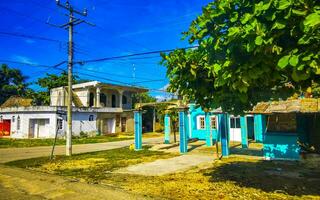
{"x":29,"y":41}
{"x":23,"y":59}
{"x":165,"y":87}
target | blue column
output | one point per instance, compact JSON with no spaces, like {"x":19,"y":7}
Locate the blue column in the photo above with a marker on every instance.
{"x":244,"y":132}
{"x":186,"y":122}
{"x":167,"y":129}
{"x":182,"y":132}
{"x":259,"y":127}
{"x":208,"y":130}
{"x":137,"y":130}
{"x":224,"y":133}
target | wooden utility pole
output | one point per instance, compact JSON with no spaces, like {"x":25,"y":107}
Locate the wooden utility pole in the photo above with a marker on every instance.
{"x":72,"y":22}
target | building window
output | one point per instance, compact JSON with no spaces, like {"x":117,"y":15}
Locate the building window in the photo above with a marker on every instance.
{"x":13,"y":119}
{"x":213,"y":121}
{"x":201,"y":124}
{"x":60,"y":124}
{"x":18,"y":123}
{"x":286,"y":123}
{"x":91,"y":118}
{"x":235,"y":122}
{"x":124,"y":99}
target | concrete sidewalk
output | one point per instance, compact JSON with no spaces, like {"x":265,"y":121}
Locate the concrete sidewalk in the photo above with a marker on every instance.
{"x":11,"y":154}
{"x":167,"y":166}
{"x":24,"y":184}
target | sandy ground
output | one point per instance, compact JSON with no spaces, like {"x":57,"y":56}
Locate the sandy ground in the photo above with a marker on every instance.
{"x":23,"y":184}
{"x":16,"y":183}
{"x":11,"y":154}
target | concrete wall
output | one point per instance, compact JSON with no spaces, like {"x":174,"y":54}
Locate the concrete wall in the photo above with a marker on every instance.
{"x":81,"y":123}
{"x":195,"y":132}
{"x":282,"y":146}
{"x":58,"y":97}
{"x":83,"y":95}
{"x":102,"y":117}
{"x":25,"y":118}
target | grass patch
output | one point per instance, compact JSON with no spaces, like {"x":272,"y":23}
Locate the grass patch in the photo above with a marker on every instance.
{"x":10,"y":142}
{"x":91,"y":167}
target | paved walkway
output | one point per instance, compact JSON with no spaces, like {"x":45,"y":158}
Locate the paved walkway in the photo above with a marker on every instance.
{"x":11,"y":154}
{"x":24,"y":184}
{"x":167,"y":166}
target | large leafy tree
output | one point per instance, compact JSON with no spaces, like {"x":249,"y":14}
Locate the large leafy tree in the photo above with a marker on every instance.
{"x":47,"y":83}
{"x":12,"y":82}
{"x":248,"y":51}
{"x":142,"y":98}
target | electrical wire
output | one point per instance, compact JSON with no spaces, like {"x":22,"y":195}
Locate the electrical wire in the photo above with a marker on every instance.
{"x":30,"y":36}
{"x":131,"y":55}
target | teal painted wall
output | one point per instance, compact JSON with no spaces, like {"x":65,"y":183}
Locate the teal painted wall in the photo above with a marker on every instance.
{"x":196,"y":133}
{"x":259,"y":127}
{"x":244,"y":132}
{"x":281,"y":146}
{"x":167,"y":129}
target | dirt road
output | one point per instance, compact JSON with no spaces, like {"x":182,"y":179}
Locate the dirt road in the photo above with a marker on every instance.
{"x":10,"y":154}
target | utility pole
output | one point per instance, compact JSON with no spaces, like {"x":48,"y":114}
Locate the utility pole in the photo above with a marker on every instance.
{"x":72,"y":22}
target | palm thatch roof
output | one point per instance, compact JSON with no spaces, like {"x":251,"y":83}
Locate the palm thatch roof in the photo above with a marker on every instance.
{"x":303,"y":105}
{"x":15,"y":101}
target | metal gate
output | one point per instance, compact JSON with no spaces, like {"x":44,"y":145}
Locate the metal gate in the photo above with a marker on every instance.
{"x":5,"y":128}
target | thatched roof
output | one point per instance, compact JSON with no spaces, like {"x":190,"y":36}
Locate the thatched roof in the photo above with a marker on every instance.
{"x":303,"y":105}
{"x":16,"y":101}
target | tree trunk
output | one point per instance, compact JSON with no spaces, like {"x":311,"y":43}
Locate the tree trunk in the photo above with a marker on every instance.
{"x":174,"y":132}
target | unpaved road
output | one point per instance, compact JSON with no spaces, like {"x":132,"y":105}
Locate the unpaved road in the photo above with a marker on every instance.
{"x":24,"y":184}
{"x":16,"y":183}
{"x":11,"y":154}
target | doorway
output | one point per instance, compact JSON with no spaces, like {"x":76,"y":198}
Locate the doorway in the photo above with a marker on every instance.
{"x":113,"y":101}
{"x":109,"y":125}
{"x":250,"y":127}
{"x":123,"y":124}
{"x":235,"y":129}
{"x":39,"y":128}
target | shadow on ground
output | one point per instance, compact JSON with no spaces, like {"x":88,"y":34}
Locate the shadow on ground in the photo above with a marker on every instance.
{"x":246,"y":152}
{"x":287,"y":177}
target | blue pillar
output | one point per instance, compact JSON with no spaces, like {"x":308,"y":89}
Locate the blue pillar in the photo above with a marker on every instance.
{"x":208,"y":130}
{"x":259,"y":127}
{"x":224,"y":134}
{"x":182,"y":131}
{"x":244,"y":132}
{"x":167,"y":129}
{"x":138,"y":130}
{"x":186,"y":122}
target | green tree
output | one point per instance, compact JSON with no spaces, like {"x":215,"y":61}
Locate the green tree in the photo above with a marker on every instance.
{"x":47,"y":83}
{"x":142,"y":98}
{"x":248,"y":51}
{"x":12,"y":82}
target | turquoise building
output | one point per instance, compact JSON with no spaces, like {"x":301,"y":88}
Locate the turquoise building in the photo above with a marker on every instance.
{"x":281,"y":127}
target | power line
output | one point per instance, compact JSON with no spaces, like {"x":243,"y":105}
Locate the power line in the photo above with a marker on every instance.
{"x":29,"y":36}
{"x":112,"y":74}
{"x":89,"y":75}
{"x":130,"y":55}
{"x":127,"y":84}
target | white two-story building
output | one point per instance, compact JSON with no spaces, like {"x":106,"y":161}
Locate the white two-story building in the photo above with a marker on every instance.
{"x":98,"y":108}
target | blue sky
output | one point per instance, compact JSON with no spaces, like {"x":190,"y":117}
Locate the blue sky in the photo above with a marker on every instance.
{"x":122,"y":27}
